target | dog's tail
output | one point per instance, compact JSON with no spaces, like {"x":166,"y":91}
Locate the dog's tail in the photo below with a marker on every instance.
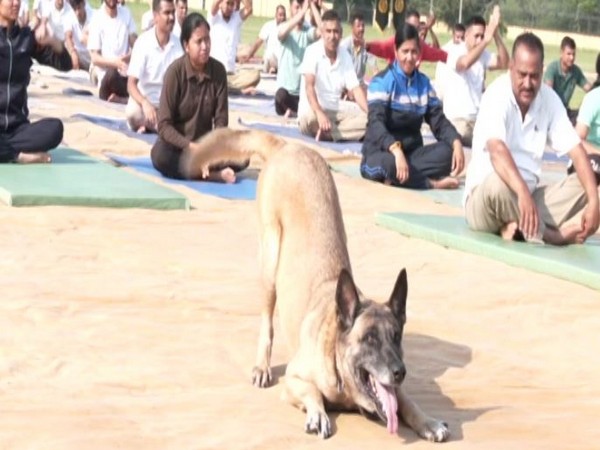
{"x":225,"y":145}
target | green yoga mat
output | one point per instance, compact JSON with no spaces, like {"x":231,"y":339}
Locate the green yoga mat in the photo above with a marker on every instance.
{"x":448,"y":197}
{"x":75,"y":179}
{"x":576,"y":263}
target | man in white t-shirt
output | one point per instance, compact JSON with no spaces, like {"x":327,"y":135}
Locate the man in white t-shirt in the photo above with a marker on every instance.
{"x":326,"y":73}
{"x":441,"y":69}
{"x":76,"y":34}
{"x":518,"y":117}
{"x":467,"y":65}
{"x":55,"y":15}
{"x":225,"y":28}
{"x":268,"y":35}
{"x":111,"y":37}
{"x":153,"y":52}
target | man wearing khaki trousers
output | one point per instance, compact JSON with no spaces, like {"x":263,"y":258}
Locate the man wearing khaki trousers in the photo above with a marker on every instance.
{"x":518,"y":118}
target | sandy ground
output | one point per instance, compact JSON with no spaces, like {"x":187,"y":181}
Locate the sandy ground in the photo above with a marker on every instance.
{"x":136,"y":329}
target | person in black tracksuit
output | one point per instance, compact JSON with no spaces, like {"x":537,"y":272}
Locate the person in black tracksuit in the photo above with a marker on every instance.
{"x":400,"y":98}
{"x":20,"y":139}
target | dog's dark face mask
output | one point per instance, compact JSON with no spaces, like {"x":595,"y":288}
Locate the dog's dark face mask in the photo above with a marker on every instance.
{"x":370,"y":344}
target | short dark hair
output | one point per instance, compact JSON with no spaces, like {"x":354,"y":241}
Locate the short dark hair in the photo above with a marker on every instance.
{"x":156,"y":4}
{"x":475,"y":20}
{"x":405,"y":33}
{"x":329,"y":15}
{"x":74,"y":3}
{"x":567,"y":41}
{"x":413,"y":13}
{"x":356,"y":15}
{"x":531,"y":42}
{"x":459,"y":27}
{"x":191,"y":22}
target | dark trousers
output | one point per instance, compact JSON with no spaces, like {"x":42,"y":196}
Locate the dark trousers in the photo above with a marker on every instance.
{"x":30,"y":137}
{"x":284,"y":101}
{"x":113,"y":83}
{"x":433,"y":161}
{"x":166,"y":158}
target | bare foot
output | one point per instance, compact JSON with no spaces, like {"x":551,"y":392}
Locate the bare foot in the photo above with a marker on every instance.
{"x":248,"y":91}
{"x":445,"y":183}
{"x":509,"y":230}
{"x":567,"y":234}
{"x":114,"y":98}
{"x":34,"y":158}
{"x":227,"y":175}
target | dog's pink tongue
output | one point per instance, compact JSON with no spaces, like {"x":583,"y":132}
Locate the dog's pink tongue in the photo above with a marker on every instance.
{"x":388,"y":398}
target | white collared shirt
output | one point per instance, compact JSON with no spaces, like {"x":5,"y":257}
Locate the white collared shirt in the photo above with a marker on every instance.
{"x":330,"y":78}
{"x":149,"y":62}
{"x":225,"y":37}
{"x":545,"y":124}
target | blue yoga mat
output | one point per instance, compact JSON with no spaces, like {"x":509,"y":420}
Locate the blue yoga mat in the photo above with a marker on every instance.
{"x":243,"y":189}
{"x":119,"y":125}
{"x":263,"y":106}
{"x":294,"y":132}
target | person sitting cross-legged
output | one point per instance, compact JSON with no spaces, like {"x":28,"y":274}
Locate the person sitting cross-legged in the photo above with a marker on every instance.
{"x":327,"y":72}
{"x":21,"y":140}
{"x":193,"y":101}
{"x":152,"y":54}
{"x":519,"y":116}
{"x":400,"y":99}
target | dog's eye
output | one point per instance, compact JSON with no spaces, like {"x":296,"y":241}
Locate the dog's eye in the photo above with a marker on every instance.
{"x":371,"y":338}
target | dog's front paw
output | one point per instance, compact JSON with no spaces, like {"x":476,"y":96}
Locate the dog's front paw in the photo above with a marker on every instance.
{"x":434,"y":430}
{"x":261,"y":377}
{"x":317,"y":422}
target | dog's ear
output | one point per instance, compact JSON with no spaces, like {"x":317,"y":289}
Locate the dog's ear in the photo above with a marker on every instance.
{"x":397,"y":302}
{"x":347,"y":300}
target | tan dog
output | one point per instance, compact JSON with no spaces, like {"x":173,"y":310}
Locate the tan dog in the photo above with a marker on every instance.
{"x":346,"y":350}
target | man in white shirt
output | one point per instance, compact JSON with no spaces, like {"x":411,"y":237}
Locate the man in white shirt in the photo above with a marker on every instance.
{"x":518,"y":117}
{"x":57,"y":15}
{"x":225,"y":28}
{"x":268,"y":35}
{"x":76,"y":34}
{"x":441,"y":69}
{"x":111,"y":37}
{"x":153,"y":52}
{"x":326,"y":73}
{"x":181,"y":10}
{"x":467,"y":65}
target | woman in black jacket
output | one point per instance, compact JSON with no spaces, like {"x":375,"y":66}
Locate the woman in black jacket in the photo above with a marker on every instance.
{"x":21,"y":140}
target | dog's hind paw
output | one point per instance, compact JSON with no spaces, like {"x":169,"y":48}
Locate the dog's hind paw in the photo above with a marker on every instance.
{"x":435,"y":431}
{"x":261,"y":377}
{"x":317,"y":422}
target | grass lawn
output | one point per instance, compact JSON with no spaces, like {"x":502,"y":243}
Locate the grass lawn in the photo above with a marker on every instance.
{"x":586,"y":58}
